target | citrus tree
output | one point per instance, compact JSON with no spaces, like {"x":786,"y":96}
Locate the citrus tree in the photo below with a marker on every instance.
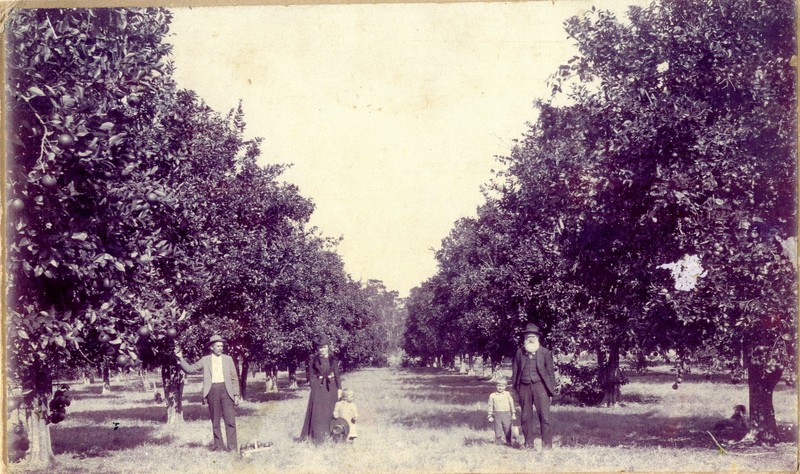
{"x":672,"y":148}
{"x":431,"y":334}
{"x":697,"y":112}
{"x":84,"y":90}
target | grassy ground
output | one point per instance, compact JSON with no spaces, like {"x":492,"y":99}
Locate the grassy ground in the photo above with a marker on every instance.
{"x":420,"y":420}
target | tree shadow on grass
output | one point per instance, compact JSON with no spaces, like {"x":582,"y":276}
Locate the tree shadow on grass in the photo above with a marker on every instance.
{"x":92,"y":396}
{"x":253,"y":396}
{"x":640,"y":398}
{"x":655,"y":377}
{"x":99,"y":441}
{"x":572,"y":426}
{"x":668,"y":378}
{"x":462,"y":396}
{"x":147,"y":402}
{"x":577,"y":428}
{"x":92,"y":391}
{"x":259,"y":397}
{"x":580,"y":428}
{"x":156,"y":414}
{"x":97,"y":389}
{"x":451,"y":388}
{"x":474,"y":419}
{"x":443,"y":379}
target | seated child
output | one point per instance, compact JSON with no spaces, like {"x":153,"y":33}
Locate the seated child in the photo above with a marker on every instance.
{"x":501,"y":412}
{"x":346,"y":409}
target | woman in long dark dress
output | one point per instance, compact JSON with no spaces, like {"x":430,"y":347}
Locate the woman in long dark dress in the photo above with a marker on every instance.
{"x":323,"y":377}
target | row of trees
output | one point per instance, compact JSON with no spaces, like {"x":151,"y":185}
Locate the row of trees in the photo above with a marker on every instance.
{"x":138,"y":219}
{"x":674,"y":149}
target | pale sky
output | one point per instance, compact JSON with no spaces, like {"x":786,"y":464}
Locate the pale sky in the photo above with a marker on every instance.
{"x":390,"y":114}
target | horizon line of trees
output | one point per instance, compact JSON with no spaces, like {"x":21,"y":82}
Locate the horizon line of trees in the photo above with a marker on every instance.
{"x":139,"y":219}
{"x":650,"y":208}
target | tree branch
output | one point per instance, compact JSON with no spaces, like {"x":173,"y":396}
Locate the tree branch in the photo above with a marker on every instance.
{"x":40,"y":161}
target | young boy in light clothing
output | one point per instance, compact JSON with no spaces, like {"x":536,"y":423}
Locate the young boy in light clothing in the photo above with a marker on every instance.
{"x":346,"y":408}
{"x":501,"y":412}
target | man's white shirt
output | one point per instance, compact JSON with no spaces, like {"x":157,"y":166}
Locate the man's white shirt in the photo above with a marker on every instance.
{"x":216,"y":369}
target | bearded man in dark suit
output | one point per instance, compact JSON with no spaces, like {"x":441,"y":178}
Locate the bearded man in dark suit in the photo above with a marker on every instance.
{"x":533,"y":378}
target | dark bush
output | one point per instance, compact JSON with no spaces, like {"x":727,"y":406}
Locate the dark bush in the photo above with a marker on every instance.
{"x":579,"y":385}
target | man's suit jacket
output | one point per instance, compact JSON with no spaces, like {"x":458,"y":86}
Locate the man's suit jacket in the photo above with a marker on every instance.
{"x":228,"y":372}
{"x":544,"y":364}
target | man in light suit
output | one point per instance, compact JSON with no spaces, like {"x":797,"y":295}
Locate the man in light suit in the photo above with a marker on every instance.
{"x":533,"y":378}
{"x":220,"y":389}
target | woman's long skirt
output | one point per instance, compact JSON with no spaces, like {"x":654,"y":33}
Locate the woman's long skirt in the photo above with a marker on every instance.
{"x":319,"y":413}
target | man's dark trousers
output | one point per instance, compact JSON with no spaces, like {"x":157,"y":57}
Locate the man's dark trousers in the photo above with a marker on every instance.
{"x":530,"y":395}
{"x":221,"y":404}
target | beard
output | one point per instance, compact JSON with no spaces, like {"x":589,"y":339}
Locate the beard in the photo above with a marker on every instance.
{"x":531,"y":347}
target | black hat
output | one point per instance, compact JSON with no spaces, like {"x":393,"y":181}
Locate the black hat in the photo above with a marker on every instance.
{"x":320,"y":341}
{"x":340,"y":429}
{"x":531,"y":328}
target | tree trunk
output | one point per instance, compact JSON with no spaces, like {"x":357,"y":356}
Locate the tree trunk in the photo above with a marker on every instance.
{"x":463,"y":368}
{"x":146,"y":385}
{"x":172,"y":378}
{"x":496,"y":363}
{"x":243,"y":377}
{"x":105,"y":372}
{"x":601,"y":359}
{"x":293,"y":375}
{"x":761,"y":385}
{"x":492,"y":371}
{"x":86,"y":377}
{"x":611,"y":377}
{"x":641,"y":360}
{"x":40,"y":448}
{"x":271,"y":375}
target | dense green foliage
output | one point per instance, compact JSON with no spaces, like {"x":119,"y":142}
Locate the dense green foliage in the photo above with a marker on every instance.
{"x":138,"y":219}
{"x":671,"y":138}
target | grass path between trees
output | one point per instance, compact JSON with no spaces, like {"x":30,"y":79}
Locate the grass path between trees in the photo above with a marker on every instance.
{"x":419,"y":420}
